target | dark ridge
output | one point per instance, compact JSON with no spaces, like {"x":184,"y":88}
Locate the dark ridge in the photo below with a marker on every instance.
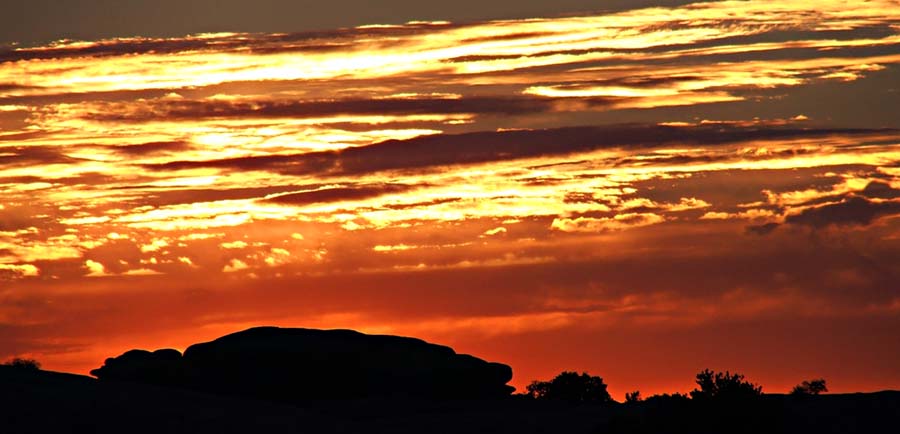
{"x":37,"y":402}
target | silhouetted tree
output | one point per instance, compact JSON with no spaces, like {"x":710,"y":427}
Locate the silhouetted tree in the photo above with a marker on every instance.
{"x":633,"y":396}
{"x":570,"y":387}
{"x":538,"y":389}
{"x":718,"y":385}
{"x":812,"y":387}
{"x":26,"y":364}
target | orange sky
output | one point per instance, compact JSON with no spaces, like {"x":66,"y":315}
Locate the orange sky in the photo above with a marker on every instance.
{"x":640,"y":194}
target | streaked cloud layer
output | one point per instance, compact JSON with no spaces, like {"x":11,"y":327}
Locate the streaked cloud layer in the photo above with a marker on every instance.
{"x":667,"y":175}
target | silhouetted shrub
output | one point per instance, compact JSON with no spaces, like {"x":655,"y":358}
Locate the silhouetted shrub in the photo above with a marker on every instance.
{"x":538,"y":389}
{"x":570,"y":387}
{"x":633,"y":396}
{"x":724,"y":386}
{"x":812,"y":387}
{"x":665,"y":398}
{"x":25,"y":364}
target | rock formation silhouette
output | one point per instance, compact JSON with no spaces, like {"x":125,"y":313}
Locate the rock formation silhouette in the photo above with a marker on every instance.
{"x":306,"y":364}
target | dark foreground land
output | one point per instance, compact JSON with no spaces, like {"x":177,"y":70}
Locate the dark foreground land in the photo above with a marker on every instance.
{"x":49,"y":402}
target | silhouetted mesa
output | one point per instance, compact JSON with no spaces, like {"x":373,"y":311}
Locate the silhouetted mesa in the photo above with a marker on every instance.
{"x":305,"y":364}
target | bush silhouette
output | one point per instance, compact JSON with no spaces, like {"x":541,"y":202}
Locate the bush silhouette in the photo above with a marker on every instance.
{"x":724,"y":386}
{"x":570,"y":387}
{"x":665,"y":398}
{"x":812,"y":387}
{"x":633,"y":396}
{"x":24,"y":364}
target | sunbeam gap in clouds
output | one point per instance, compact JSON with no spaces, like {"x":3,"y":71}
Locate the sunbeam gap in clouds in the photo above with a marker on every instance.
{"x":661,"y":173}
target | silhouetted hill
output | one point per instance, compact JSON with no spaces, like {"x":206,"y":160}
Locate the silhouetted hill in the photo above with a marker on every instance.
{"x":272,"y":380}
{"x":49,"y":402}
{"x":303,"y":364}
{"x":38,"y":402}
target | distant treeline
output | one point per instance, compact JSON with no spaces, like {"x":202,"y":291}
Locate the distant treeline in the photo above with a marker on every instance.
{"x":721,"y":386}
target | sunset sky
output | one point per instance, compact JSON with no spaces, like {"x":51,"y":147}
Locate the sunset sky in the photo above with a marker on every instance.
{"x":568,"y":185}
